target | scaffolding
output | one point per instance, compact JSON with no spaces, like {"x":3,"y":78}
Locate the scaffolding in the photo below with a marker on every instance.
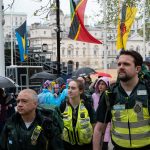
{"x":21,"y":75}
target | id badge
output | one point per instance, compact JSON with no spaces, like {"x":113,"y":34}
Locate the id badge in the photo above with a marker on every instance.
{"x":119,"y":107}
{"x":141,"y":92}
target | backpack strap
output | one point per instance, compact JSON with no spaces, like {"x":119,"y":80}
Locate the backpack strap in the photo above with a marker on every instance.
{"x":147,"y":84}
{"x":107,"y":100}
{"x":107,"y":94}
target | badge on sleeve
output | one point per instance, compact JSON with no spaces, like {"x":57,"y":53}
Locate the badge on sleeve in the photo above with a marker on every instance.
{"x":138,"y":107}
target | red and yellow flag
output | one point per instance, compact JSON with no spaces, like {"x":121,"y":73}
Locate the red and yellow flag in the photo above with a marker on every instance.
{"x":124,"y":25}
{"x":78,"y":31}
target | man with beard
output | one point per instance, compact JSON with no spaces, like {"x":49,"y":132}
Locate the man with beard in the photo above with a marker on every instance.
{"x":127,"y":106}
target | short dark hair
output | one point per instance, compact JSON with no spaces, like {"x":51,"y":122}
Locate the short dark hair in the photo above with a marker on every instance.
{"x":138,"y":60}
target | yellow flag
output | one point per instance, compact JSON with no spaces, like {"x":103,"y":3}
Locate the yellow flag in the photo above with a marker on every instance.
{"x":124,"y":26}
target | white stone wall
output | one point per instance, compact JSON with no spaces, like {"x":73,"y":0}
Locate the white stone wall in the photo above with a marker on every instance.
{"x":87,"y":54}
{"x":17,"y":20}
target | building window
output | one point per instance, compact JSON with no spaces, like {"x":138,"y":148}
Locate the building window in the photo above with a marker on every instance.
{"x":63,"y":51}
{"x":95,"y":53}
{"x":44,"y":32}
{"x":83,"y":52}
{"x":69,"y":52}
{"x":84,"y":49}
{"x":138,"y":48}
{"x":131,"y":47}
{"x":54,"y":51}
{"x":76,"y":53}
{"x":70,"y":49}
{"x":70,"y":46}
{"x":77,"y":65}
{"x":95,"y":50}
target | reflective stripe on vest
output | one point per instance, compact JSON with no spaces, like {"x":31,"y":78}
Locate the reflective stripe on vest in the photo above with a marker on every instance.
{"x":128,"y":124}
{"x":132,"y":124}
{"x":82,"y":133}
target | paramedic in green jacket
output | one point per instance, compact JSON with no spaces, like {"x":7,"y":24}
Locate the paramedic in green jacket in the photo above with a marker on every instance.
{"x":129,"y":107}
{"x":28,"y":129}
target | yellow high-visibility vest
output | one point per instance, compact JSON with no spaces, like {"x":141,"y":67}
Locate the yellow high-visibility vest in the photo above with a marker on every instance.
{"x":131,"y":127}
{"x":80,"y":134}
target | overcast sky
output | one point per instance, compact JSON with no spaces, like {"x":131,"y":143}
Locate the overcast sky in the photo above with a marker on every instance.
{"x":30,"y":6}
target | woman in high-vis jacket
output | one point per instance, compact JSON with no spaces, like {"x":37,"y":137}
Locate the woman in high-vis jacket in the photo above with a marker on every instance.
{"x":78,"y":117}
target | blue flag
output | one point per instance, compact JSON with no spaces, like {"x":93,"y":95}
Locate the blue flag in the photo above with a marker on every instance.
{"x":21,"y":34}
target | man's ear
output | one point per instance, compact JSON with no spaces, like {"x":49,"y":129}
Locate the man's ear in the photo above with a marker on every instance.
{"x":138,"y":69}
{"x":81,"y":91}
{"x":36,"y":103}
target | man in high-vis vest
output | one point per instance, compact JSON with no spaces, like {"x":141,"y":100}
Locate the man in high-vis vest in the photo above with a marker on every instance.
{"x":127,"y":106}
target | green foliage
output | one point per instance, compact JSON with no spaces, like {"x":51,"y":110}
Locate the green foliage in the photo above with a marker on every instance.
{"x":147,"y":33}
{"x":113,"y":6}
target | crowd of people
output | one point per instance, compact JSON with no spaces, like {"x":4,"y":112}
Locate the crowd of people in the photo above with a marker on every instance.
{"x":93,"y":113}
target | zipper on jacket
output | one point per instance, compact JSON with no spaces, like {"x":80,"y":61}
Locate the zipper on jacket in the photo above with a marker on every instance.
{"x":127,"y":104}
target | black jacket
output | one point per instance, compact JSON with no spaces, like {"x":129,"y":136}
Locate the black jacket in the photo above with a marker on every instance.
{"x":16,"y":136}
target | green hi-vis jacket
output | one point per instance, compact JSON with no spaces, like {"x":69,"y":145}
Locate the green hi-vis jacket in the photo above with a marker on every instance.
{"x":16,"y":136}
{"x":130,"y":117}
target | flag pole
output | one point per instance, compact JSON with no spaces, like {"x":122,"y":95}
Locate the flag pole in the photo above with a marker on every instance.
{"x":144,"y":37}
{"x":58,"y":36}
{"x":11,"y":20}
{"x":2,"y":56}
{"x":105,"y":36}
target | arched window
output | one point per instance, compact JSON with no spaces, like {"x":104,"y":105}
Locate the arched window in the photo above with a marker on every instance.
{"x":70,"y":49}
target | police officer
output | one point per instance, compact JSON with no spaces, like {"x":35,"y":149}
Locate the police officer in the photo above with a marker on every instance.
{"x":129,"y":107}
{"x":28,"y":129}
{"x":78,"y":117}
